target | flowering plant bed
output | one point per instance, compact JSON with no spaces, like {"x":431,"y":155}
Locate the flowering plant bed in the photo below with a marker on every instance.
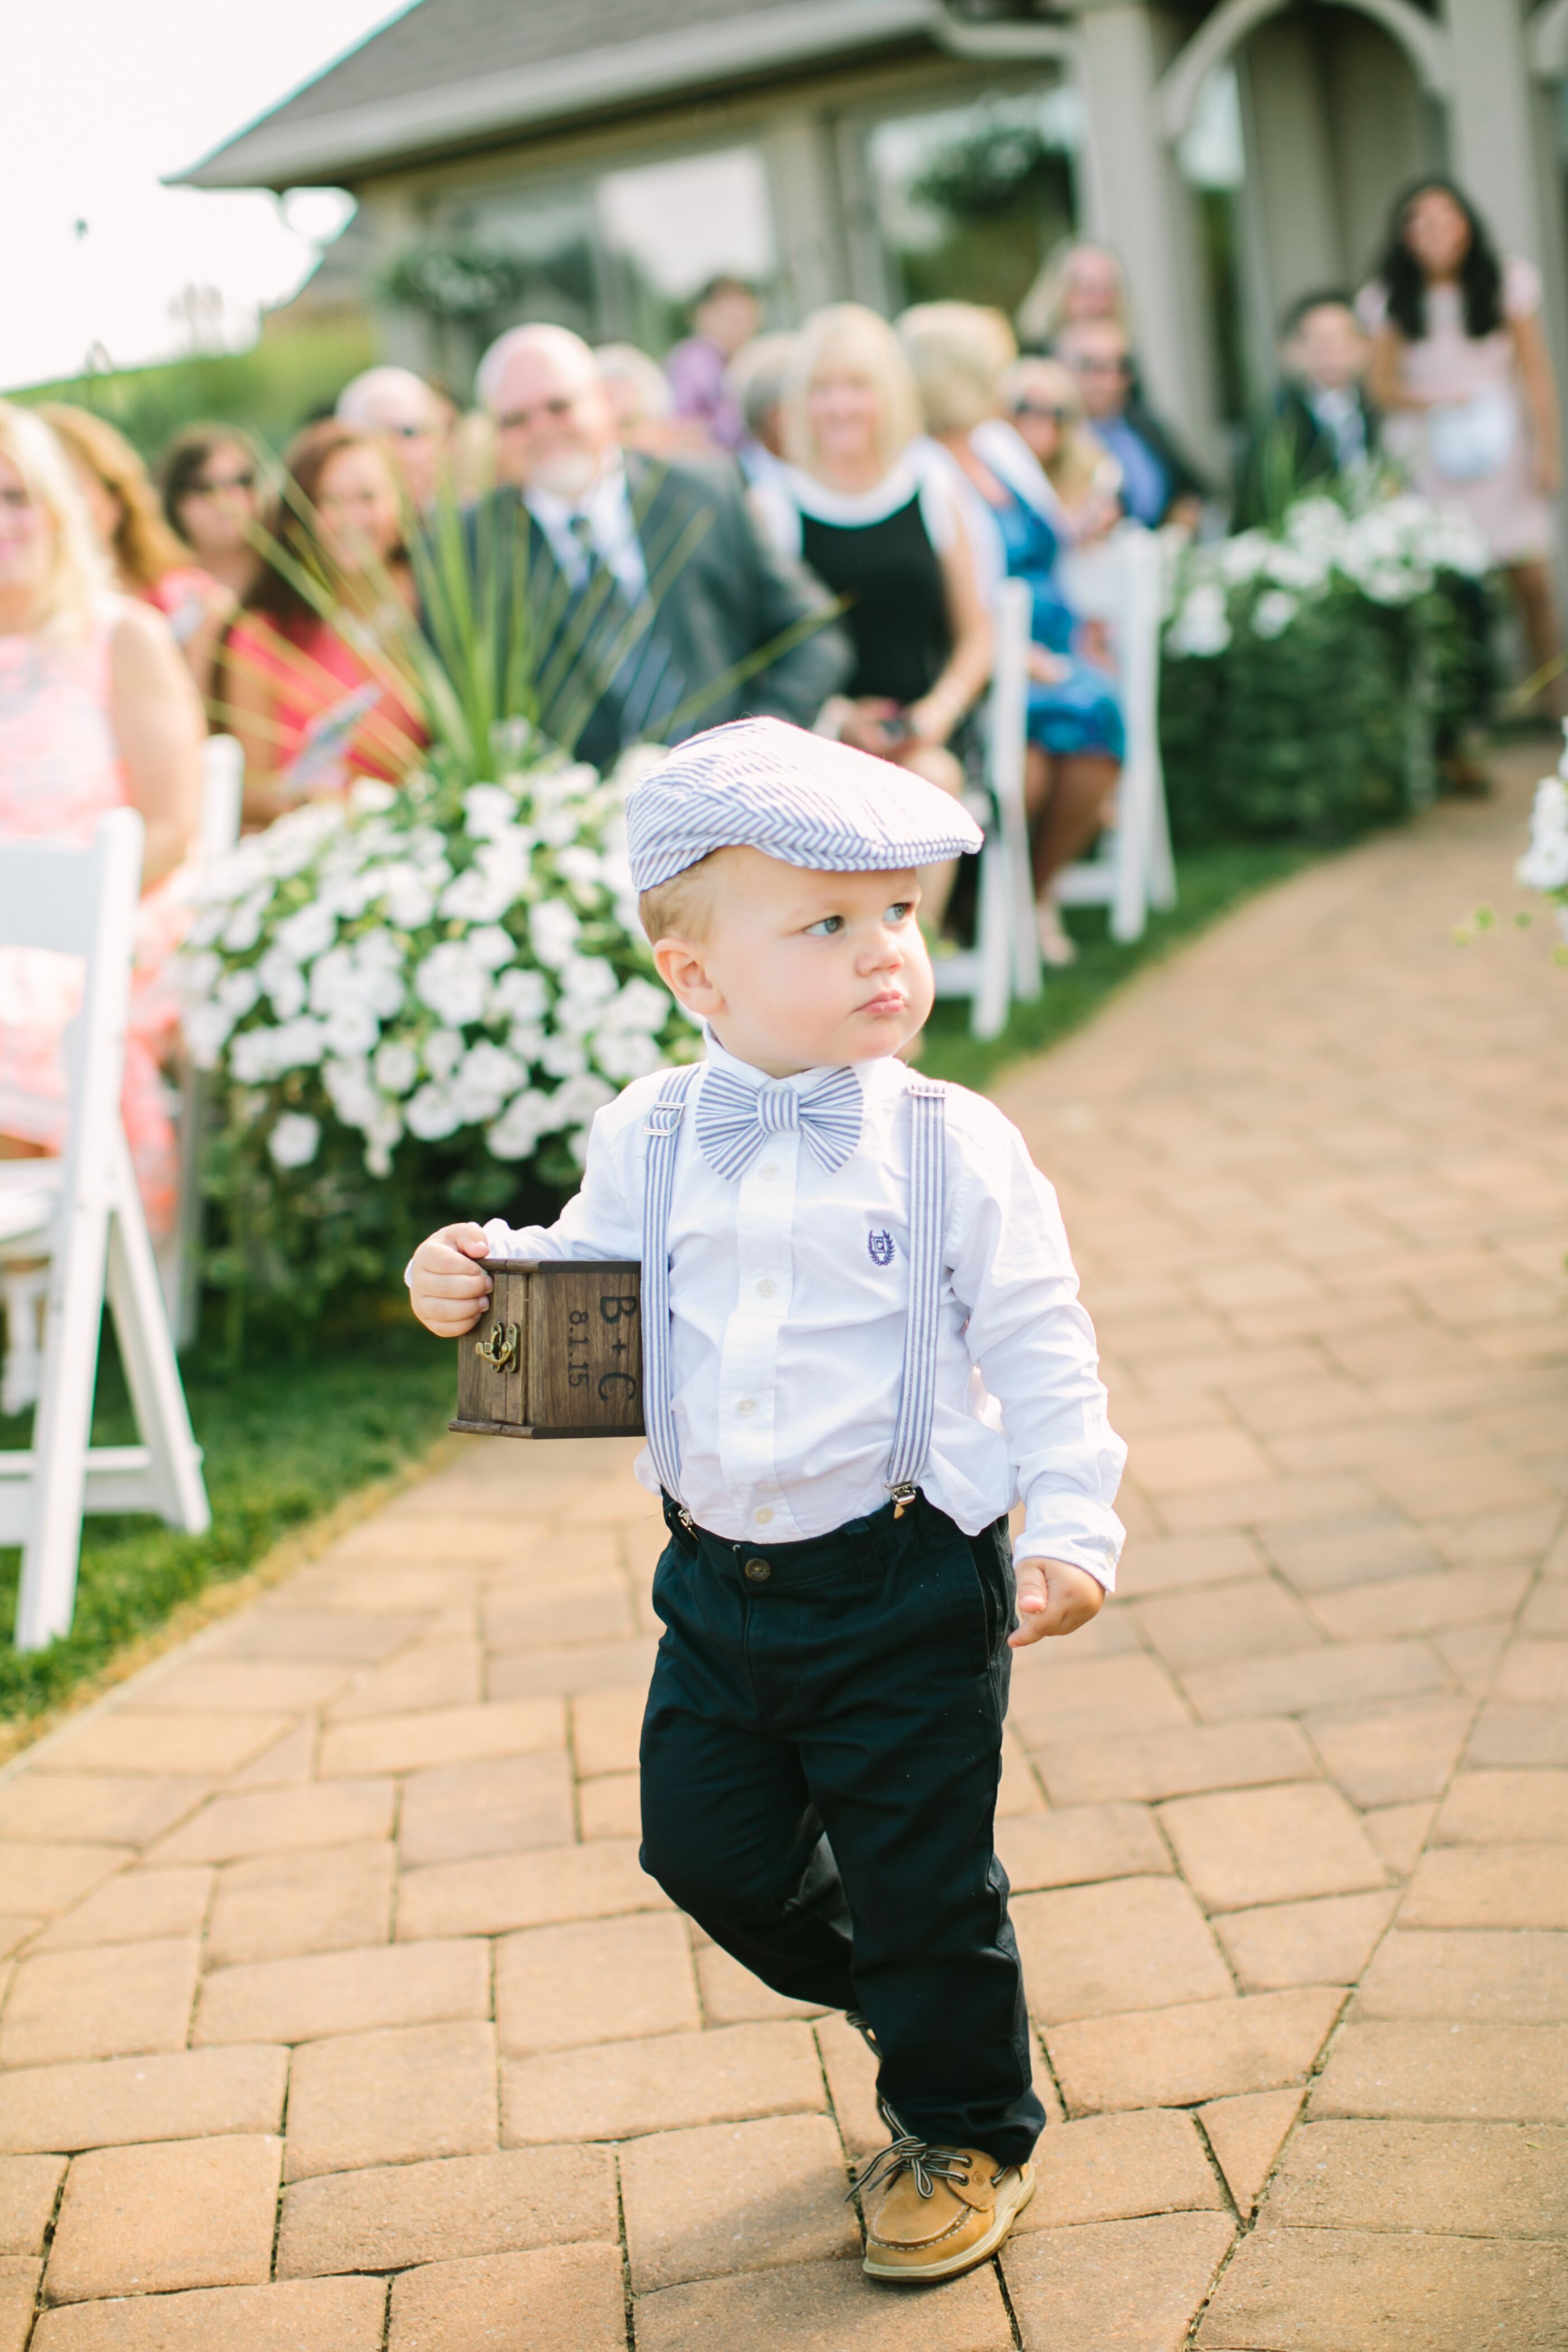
{"x":1544,"y":866}
{"x":414,"y":1003}
{"x":1308,"y":671}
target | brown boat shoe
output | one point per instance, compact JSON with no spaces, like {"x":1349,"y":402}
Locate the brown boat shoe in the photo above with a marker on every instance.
{"x":942,"y":2210}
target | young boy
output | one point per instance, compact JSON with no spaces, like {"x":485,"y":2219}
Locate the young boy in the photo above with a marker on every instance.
{"x":862,"y":1343}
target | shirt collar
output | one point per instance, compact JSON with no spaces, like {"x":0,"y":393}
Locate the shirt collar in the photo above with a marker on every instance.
{"x":605,"y":493}
{"x":885,"y":1071}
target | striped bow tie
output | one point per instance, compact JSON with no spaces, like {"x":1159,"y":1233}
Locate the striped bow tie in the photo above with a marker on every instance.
{"x":734,"y":1120}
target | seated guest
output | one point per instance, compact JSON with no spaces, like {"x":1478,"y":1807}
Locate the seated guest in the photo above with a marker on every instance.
{"x":394,"y":405}
{"x":210,"y":483}
{"x":651,"y":585}
{"x":1157,"y":484}
{"x":1041,"y":401}
{"x":147,"y":560}
{"x":314,"y":704}
{"x":872,"y":509}
{"x":1078,"y":282}
{"x":644,"y":406}
{"x":759,"y":375}
{"x":958,"y":353}
{"x":1319,"y":428}
{"x":725,"y":315}
{"x":96,"y":712}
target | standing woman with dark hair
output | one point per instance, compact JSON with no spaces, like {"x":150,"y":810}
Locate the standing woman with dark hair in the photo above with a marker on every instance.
{"x":316,"y":702}
{"x":1460,"y":368}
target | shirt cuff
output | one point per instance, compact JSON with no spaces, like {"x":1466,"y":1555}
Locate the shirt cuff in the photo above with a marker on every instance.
{"x":1096,"y":1554}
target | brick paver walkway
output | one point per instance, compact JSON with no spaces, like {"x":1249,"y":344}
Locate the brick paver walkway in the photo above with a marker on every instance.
{"x":342,"y":2015}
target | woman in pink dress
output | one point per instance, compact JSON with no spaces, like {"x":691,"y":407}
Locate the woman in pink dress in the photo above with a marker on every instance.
{"x":314,"y":706}
{"x":96,"y":712}
{"x":1460,"y":364}
{"x":146,"y":558}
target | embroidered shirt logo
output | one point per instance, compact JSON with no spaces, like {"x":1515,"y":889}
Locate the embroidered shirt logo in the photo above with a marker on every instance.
{"x":880,"y":1245}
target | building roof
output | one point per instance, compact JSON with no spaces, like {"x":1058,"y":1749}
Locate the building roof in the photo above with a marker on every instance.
{"x":451,"y":73}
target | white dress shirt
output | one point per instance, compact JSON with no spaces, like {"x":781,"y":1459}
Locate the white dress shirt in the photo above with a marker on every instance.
{"x":788,"y":1325}
{"x":607,"y":508}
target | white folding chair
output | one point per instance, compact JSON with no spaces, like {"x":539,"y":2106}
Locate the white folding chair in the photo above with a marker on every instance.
{"x":84,"y":1212}
{"x":179,"y":1259}
{"x":1005,"y":962}
{"x":1116,"y":580}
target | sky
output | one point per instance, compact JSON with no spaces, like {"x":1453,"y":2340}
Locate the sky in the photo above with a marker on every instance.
{"x":102,"y":98}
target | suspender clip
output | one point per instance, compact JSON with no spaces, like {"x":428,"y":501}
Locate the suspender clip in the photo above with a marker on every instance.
{"x":902,"y":1497}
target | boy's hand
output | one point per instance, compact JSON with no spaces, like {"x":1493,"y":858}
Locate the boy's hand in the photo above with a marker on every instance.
{"x":448,"y":1291}
{"x":1052,"y":1599}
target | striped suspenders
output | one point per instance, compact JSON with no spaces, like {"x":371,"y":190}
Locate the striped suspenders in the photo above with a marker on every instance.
{"x":917,"y":1402}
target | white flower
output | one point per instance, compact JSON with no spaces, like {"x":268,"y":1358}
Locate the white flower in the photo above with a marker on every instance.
{"x":396,"y":1066}
{"x":563,"y":1056}
{"x":491,"y":946}
{"x":640,"y":1005}
{"x":453,"y":982}
{"x":410,"y":897}
{"x":625,"y":1053}
{"x":206,"y":1030}
{"x":574,"y":1104}
{"x":444,"y":1049}
{"x":1241,"y":559}
{"x":432,"y":1114}
{"x":283,"y":980}
{"x":303,"y":936}
{"x":580,"y":864}
{"x":1273,"y":613}
{"x":292,"y":1142}
{"x":488,"y":1074}
{"x":259,"y":1056}
{"x":200,"y":974}
{"x":1544,"y":866}
{"x":1202,"y":627}
{"x":350,"y":1091}
{"x":488,"y":811}
{"x":526,"y":1039}
{"x":243,"y":929}
{"x":519,"y":994}
{"x":517,"y":1132}
{"x":351,"y":1030}
{"x":238,"y":990}
{"x":369,"y":794}
{"x":553,"y":927}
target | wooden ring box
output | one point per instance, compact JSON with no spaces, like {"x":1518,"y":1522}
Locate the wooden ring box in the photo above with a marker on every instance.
{"x":558,"y":1353}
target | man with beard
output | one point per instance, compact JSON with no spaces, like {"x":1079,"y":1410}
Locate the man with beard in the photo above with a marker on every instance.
{"x":655,"y":607}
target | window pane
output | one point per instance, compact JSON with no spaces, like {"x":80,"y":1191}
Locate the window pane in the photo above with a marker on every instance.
{"x":666,"y":229}
{"x":971,"y":199}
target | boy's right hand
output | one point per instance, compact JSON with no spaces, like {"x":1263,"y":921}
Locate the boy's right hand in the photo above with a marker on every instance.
{"x":448,"y":1290}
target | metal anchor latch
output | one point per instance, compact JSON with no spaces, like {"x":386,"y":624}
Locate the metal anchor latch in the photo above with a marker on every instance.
{"x":500,"y":1351}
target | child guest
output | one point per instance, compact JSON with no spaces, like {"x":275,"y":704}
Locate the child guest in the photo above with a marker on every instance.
{"x":861,"y":1344}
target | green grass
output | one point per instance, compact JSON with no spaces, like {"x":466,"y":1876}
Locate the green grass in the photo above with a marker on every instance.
{"x":287,"y":1439}
{"x":1208,"y":882}
{"x":284,"y":1441}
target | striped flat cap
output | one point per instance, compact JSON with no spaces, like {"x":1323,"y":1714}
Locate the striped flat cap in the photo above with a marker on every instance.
{"x":760,"y":783}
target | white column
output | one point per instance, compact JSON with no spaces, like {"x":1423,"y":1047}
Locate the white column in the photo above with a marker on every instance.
{"x":807,"y":210}
{"x":1492,"y":120}
{"x":1137,"y":201}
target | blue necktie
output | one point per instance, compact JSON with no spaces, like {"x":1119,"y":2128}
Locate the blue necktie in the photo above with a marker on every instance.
{"x":734,"y":1120}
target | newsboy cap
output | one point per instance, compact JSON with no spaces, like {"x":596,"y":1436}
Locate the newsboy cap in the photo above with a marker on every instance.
{"x":760,"y":783}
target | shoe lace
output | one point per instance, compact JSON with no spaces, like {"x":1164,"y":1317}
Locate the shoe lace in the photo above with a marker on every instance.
{"x":910,"y":2153}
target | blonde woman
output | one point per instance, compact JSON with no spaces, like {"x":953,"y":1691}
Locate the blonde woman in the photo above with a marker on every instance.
{"x":96,"y":711}
{"x":147,"y":560}
{"x":958,"y":353}
{"x":872,"y":511}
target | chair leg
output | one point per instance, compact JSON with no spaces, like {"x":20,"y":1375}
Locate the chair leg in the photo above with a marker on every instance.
{"x":47,"y":1600}
{"x":147,"y":1351}
{"x":22,"y":1291}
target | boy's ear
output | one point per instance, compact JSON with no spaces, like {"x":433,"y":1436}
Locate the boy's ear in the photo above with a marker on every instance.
{"x":682,"y":968}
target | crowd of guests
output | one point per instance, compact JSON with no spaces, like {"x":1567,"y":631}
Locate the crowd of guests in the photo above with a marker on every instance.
{"x":813,"y":524}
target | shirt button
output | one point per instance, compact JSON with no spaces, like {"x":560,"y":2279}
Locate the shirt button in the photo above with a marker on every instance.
{"x":758,"y":1569}
{"x":770,"y":1172}
{"x":766,"y":1289}
{"x":747,"y":1405}
{"x":764,"y":1516}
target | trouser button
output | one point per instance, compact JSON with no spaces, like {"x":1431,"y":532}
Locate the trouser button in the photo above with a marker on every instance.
{"x":759,"y":1571}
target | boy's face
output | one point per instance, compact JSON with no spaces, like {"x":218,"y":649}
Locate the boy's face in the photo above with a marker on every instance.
{"x":1328,"y":350}
{"x":795,"y":970}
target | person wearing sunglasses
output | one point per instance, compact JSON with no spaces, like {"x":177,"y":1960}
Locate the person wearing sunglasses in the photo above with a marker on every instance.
{"x":410,"y":420}
{"x":1157,"y":484}
{"x":1041,"y":401}
{"x":210,"y":485}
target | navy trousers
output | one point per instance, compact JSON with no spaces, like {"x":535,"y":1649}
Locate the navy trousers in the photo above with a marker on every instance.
{"x":820,"y":1760}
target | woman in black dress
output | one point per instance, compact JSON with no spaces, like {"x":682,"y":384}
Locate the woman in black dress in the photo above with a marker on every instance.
{"x":871,"y":510}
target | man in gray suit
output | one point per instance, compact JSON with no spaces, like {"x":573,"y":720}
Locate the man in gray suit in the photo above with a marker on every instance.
{"x":655,"y":606}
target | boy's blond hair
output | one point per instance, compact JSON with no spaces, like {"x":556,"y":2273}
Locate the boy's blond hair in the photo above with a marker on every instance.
{"x":682,"y":907}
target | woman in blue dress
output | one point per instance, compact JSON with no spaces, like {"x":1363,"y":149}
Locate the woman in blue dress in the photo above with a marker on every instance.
{"x":1019,"y":527}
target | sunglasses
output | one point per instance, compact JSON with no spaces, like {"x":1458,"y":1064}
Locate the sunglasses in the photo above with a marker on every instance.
{"x":202,"y":488}
{"x":1043,"y":408}
{"x":519,"y":420}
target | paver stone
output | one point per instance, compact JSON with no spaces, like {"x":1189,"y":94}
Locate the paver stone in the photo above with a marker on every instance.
{"x":1320,"y":2290}
{"x":393,"y":2217}
{"x":341,"y":2315}
{"x":1327,"y":1941}
{"x":1119,"y":2286}
{"x":558,"y":2299}
{"x":620,"y":2088}
{"x":28,"y":2187}
{"x":100,"y":2002}
{"x":156,"y":2220}
{"x":1133,"y":1943}
{"x":327,"y":1993}
{"x":734,"y":2196}
{"x":392,"y":2096}
{"x":821,"y":2307}
{"x":1242,"y":1846}
{"x":1246,"y":2134}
